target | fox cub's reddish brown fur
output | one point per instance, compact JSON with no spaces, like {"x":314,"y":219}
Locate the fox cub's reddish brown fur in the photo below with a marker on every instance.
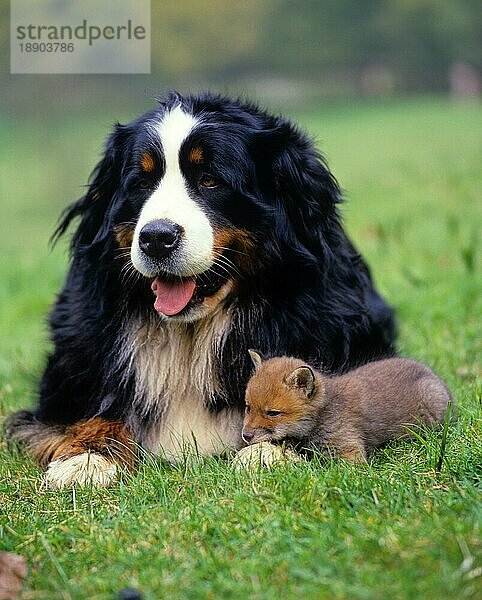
{"x":345,"y":415}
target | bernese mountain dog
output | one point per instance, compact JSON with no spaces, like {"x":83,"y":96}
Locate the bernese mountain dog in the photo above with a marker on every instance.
{"x":209,"y":227}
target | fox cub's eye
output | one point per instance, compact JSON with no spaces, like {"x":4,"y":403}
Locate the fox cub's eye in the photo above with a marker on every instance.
{"x":273,"y":413}
{"x":208,"y":181}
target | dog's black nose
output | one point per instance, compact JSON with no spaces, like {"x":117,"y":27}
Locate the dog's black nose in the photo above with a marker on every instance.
{"x":159,"y":238}
{"x":247,"y":435}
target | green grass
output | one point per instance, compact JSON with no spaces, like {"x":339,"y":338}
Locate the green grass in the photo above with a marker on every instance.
{"x":397,"y":528}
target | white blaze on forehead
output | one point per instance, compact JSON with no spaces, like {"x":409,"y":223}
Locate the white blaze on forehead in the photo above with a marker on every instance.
{"x":171,"y":201}
{"x":174,"y":128}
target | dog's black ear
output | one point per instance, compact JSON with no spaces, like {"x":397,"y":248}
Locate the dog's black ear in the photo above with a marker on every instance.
{"x":306,"y":190}
{"x":93,"y":207}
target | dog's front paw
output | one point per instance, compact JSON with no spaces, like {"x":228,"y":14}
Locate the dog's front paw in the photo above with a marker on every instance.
{"x":81,"y":469}
{"x":262,"y":455}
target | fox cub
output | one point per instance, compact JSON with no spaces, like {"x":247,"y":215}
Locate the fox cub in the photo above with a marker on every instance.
{"x":344,"y":415}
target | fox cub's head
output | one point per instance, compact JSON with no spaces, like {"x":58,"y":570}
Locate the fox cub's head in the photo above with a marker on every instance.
{"x":282,"y":398}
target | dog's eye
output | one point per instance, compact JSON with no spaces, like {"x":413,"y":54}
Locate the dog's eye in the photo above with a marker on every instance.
{"x":208,"y":181}
{"x":247,"y":409}
{"x":273,"y":413}
{"x":144,"y":184}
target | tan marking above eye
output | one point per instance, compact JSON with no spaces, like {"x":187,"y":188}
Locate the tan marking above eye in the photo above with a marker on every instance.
{"x":147,"y":162}
{"x":196,"y":155}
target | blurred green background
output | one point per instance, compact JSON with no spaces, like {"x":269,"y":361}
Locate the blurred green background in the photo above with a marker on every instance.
{"x":391,"y":92}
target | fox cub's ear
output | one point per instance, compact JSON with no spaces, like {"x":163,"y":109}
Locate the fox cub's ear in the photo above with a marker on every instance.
{"x":302,"y":379}
{"x":256,"y":358}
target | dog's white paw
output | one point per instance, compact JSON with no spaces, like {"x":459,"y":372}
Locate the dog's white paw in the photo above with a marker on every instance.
{"x":82,"y":469}
{"x":262,"y":455}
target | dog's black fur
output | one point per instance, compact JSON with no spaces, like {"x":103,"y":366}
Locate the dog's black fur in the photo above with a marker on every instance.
{"x":303,"y":291}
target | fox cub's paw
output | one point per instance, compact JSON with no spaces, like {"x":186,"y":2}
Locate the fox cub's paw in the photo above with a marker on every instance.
{"x":263,"y":455}
{"x":81,"y":469}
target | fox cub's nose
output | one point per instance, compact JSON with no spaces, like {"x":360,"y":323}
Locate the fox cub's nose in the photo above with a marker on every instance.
{"x":247,"y":435}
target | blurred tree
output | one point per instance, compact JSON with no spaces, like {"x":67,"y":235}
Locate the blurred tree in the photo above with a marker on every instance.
{"x":311,"y":35}
{"x":205,"y":37}
{"x":417,"y":40}
{"x":420,"y":39}
{"x":335,"y":46}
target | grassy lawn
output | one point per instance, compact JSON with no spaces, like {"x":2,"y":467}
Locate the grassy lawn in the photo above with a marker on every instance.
{"x":396,"y":528}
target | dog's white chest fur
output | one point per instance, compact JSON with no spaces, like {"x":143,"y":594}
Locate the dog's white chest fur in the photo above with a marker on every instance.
{"x":173,"y":366}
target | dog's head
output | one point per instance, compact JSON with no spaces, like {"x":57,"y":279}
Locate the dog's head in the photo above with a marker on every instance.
{"x":200,"y":194}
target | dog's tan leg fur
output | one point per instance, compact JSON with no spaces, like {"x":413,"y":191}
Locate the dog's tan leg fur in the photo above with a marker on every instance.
{"x":88,"y":452}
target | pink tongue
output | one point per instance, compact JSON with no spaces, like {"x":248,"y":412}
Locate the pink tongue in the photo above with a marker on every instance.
{"x":171,"y":298}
